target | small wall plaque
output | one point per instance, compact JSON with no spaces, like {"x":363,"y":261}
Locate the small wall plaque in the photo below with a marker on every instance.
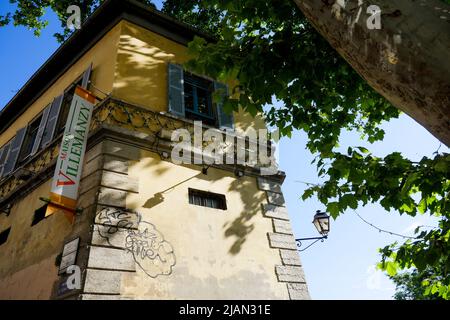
{"x":69,"y":255}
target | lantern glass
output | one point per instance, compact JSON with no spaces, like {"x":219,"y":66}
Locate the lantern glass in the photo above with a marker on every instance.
{"x":322,"y":223}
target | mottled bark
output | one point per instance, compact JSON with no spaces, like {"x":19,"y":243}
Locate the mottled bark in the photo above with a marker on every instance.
{"x":407,"y":60}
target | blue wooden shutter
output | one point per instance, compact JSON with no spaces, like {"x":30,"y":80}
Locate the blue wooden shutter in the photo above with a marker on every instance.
{"x":86,"y":77}
{"x":40,"y":133}
{"x":3,"y":155}
{"x":2,"y":150}
{"x":176,"y":90}
{"x":226,"y":121}
{"x":52,"y":121}
{"x":13,"y":155}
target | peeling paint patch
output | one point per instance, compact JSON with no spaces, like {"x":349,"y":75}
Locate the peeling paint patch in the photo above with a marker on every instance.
{"x":391,"y":56}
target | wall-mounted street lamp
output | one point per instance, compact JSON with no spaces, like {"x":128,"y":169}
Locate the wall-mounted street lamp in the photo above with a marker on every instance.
{"x":322,"y":223}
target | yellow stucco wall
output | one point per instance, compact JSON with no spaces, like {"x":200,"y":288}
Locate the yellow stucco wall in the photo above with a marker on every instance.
{"x":102,"y":55}
{"x":131,"y":63}
{"x":216,"y":251}
{"x":27,"y":259}
{"x":141,"y":73}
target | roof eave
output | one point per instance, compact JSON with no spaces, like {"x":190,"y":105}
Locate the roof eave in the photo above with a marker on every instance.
{"x":98,"y":24}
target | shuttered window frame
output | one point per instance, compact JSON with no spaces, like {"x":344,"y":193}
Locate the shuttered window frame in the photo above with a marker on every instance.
{"x":14,"y":152}
{"x":225,"y":120}
{"x":54,"y":118}
{"x":4,"y":152}
{"x":40,"y":134}
{"x":176,"y":90}
{"x":176,"y":97}
{"x":46,"y":133}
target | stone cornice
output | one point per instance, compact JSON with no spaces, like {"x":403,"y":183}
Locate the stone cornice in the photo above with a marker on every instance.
{"x":117,"y":120}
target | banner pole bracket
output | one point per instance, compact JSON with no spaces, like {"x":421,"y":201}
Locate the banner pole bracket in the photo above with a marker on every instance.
{"x":58,"y":205}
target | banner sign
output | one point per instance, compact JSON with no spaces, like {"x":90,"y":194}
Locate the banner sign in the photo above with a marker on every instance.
{"x":66,"y":180}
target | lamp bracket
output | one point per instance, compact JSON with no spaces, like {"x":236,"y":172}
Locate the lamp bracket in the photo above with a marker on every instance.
{"x":299,"y":242}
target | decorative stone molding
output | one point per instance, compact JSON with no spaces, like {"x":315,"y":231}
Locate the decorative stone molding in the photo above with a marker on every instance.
{"x":273,"y":211}
{"x":108,"y":236}
{"x":282,"y":239}
{"x":298,"y":291}
{"x":290,"y":258}
{"x":112,"y":198}
{"x":111,"y":259}
{"x":105,"y":216}
{"x":102,"y":281}
{"x":268,"y":185}
{"x":156,"y":128}
{"x":104,"y":187}
{"x":282,"y":226}
{"x":290,"y":274}
{"x":132,"y":121}
{"x":276,"y":199}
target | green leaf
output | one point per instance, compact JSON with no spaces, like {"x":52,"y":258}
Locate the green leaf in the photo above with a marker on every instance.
{"x":391,"y":268}
{"x":333,"y":209}
{"x":307,"y":194}
{"x":422,"y":206}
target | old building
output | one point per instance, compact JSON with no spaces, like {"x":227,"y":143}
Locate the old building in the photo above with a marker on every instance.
{"x":146,"y":227}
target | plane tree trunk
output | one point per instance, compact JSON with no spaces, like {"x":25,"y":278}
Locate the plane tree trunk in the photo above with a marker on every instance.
{"x":407,"y":60}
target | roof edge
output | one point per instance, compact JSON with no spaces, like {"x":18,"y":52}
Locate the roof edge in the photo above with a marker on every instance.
{"x":103,"y":19}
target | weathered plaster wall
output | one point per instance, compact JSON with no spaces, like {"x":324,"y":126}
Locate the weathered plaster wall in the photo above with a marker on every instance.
{"x":170,"y":249}
{"x":27,"y":259}
{"x":216,"y":251}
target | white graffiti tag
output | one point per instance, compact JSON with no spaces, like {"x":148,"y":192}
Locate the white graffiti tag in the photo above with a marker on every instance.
{"x":151,"y":252}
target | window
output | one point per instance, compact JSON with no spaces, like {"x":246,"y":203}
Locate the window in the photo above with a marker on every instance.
{"x":198,"y":98}
{"x":41,"y":131}
{"x":4,"y":236}
{"x":190,"y":96}
{"x":29,"y":140}
{"x":39,"y":215}
{"x":65,"y":106}
{"x":3,"y":156}
{"x":207,"y":199}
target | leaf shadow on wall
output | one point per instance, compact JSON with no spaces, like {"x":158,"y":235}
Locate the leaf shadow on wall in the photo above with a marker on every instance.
{"x":241,"y":227}
{"x":141,"y":70}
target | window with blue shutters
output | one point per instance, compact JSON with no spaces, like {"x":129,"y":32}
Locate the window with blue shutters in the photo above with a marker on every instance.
{"x":50,"y":126}
{"x":198,"y":99}
{"x":190,"y":96}
{"x":4,"y":152}
{"x":14,"y":152}
{"x":176,"y":91}
{"x":225,"y":120}
{"x":59,"y":109}
{"x":41,"y":131}
{"x":30,"y":139}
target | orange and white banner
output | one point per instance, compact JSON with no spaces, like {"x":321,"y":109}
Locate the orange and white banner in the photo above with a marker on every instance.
{"x":66,"y":181}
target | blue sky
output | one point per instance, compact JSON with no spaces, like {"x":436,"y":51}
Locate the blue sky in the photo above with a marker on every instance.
{"x":342,"y":267}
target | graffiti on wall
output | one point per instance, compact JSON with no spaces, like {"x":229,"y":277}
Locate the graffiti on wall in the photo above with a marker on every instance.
{"x":151,"y":252}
